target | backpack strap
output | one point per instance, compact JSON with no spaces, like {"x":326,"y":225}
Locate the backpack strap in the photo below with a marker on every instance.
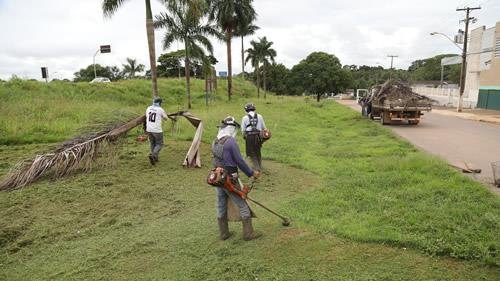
{"x":250,"y":118}
{"x":223,"y":140}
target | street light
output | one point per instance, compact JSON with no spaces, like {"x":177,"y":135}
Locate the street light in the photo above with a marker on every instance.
{"x":103,"y":49}
{"x":464,"y":64}
{"x":448,"y":37}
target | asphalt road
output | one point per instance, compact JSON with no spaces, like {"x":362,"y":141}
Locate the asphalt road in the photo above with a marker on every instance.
{"x":454,"y":139}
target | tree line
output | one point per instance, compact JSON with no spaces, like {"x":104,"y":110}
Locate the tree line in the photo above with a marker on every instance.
{"x":114,"y":73}
{"x":307,"y":75}
{"x":193,"y":22}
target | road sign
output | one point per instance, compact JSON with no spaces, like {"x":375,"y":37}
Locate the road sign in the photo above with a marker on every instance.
{"x":45,"y":72}
{"x":222,"y":73}
{"x":105,"y":49}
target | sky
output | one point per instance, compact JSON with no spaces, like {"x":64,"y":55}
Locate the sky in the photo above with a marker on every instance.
{"x":63,"y":35}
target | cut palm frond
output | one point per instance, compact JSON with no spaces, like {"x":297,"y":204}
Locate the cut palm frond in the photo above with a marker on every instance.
{"x":81,"y":153}
{"x":77,"y":154}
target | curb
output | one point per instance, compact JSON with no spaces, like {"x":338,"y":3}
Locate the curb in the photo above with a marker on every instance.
{"x":468,"y":116}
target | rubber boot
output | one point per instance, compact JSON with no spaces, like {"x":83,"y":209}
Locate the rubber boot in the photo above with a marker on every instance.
{"x":248,"y":233}
{"x":255,"y":163}
{"x":223,"y":228}
{"x":151,"y":159}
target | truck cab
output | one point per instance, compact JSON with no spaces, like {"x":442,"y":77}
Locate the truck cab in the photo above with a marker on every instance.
{"x":361,"y":93}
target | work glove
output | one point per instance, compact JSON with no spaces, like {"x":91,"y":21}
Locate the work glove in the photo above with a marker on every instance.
{"x":256,"y":174}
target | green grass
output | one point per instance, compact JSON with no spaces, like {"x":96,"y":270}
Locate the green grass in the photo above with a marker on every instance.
{"x":365,"y":205}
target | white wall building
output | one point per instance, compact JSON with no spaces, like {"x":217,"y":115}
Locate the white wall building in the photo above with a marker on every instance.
{"x":482,"y":83}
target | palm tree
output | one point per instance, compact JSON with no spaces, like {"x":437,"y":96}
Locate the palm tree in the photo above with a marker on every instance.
{"x":109,"y":7}
{"x":132,"y":67}
{"x":253,"y":55}
{"x":228,"y":14}
{"x":244,"y":29}
{"x":183,"y":24}
{"x":208,"y":63}
{"x":266,"y":54}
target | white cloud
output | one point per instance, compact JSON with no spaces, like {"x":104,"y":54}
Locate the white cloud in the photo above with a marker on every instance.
{"x":64,"y":34}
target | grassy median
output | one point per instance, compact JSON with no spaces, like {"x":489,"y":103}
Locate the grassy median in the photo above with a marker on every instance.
{"x":365,"y":205}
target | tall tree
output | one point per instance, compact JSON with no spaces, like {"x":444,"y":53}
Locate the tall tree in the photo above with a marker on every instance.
{"x":109,"y":7}
{"x":132,"y":67}
{"x":183,"y":23}
{"x":266,"y":54}
{"x":228,"y":14}
{"x":244,"y":29}
{"x":276,"y":77}
{"x":169,"y":64}
{"x":254,"y":56}
{"x":320,"y":73}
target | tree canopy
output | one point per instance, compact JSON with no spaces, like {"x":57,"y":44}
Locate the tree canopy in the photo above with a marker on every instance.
{"x":430,"y":70}
{"x":320,"y":73}
{"x":87,"y":74}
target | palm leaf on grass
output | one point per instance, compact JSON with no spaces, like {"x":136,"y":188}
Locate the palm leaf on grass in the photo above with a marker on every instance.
{"x":80,"y":153}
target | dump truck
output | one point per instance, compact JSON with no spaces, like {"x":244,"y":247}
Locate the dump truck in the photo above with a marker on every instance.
{"x":395,"y":101}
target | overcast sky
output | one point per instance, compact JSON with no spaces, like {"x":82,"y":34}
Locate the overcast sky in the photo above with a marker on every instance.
{"x":64,"y":34}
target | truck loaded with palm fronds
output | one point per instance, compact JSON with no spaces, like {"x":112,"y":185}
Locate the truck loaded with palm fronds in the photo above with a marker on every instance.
{"x":395,"y":101}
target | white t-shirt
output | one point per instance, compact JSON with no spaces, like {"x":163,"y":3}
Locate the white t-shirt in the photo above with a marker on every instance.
{"x":154,"y":116}
{"x":245,"y":122}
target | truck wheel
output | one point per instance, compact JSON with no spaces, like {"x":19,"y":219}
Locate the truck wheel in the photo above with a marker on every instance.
{"x":413,"y":122}
{"x":384,"y":118}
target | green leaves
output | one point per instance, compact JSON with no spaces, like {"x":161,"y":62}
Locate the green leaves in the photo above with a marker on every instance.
{"x":319,"y":73}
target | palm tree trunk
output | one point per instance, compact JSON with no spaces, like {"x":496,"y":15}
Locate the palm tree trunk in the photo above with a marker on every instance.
{"x":242,"y":58}
{"x":206,"y":87}
{"x":229,"y":66}
{"x":150,"y":30}
{"x":264,"y":73}
{"x":258,"y":80}
{"x":188,"y":89}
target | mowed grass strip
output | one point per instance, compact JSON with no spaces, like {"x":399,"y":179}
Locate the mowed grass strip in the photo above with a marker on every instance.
{"x":135,"y":222}
{"x":373,"y":187}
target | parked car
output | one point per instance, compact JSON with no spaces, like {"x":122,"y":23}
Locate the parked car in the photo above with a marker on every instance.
{"x":100,"y":80}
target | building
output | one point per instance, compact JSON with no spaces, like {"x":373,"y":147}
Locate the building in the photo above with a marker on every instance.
{"x":482,"y":83}
{"x":483,"y":63}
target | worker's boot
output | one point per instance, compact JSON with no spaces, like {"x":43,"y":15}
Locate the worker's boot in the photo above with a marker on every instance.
{"x":248,"y":233}
{"x":223,"y":228}
{"x":151,"y":159}
{"x":255,"y":163}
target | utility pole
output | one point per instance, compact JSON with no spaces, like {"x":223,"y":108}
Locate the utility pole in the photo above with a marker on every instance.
{"x":392,"y":60}
{"x":463,"y":74}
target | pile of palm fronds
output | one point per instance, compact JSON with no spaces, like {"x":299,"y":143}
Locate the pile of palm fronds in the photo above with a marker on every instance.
{"x":77,"y":154}
{"x":396,"y":91}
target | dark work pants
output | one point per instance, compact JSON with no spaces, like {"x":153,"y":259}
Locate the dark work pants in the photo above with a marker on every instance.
{"x":253,"y":147}
{"x":156,"y":141}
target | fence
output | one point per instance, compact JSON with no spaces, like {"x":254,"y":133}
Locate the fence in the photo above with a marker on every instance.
{"x":447,"y":97}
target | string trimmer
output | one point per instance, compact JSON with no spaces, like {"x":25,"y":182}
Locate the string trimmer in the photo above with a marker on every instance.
{"x":284,"y":220}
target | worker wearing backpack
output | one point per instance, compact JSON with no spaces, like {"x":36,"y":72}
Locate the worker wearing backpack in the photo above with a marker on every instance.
{"x":252,"y":124}
{"x":227,"y":155}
